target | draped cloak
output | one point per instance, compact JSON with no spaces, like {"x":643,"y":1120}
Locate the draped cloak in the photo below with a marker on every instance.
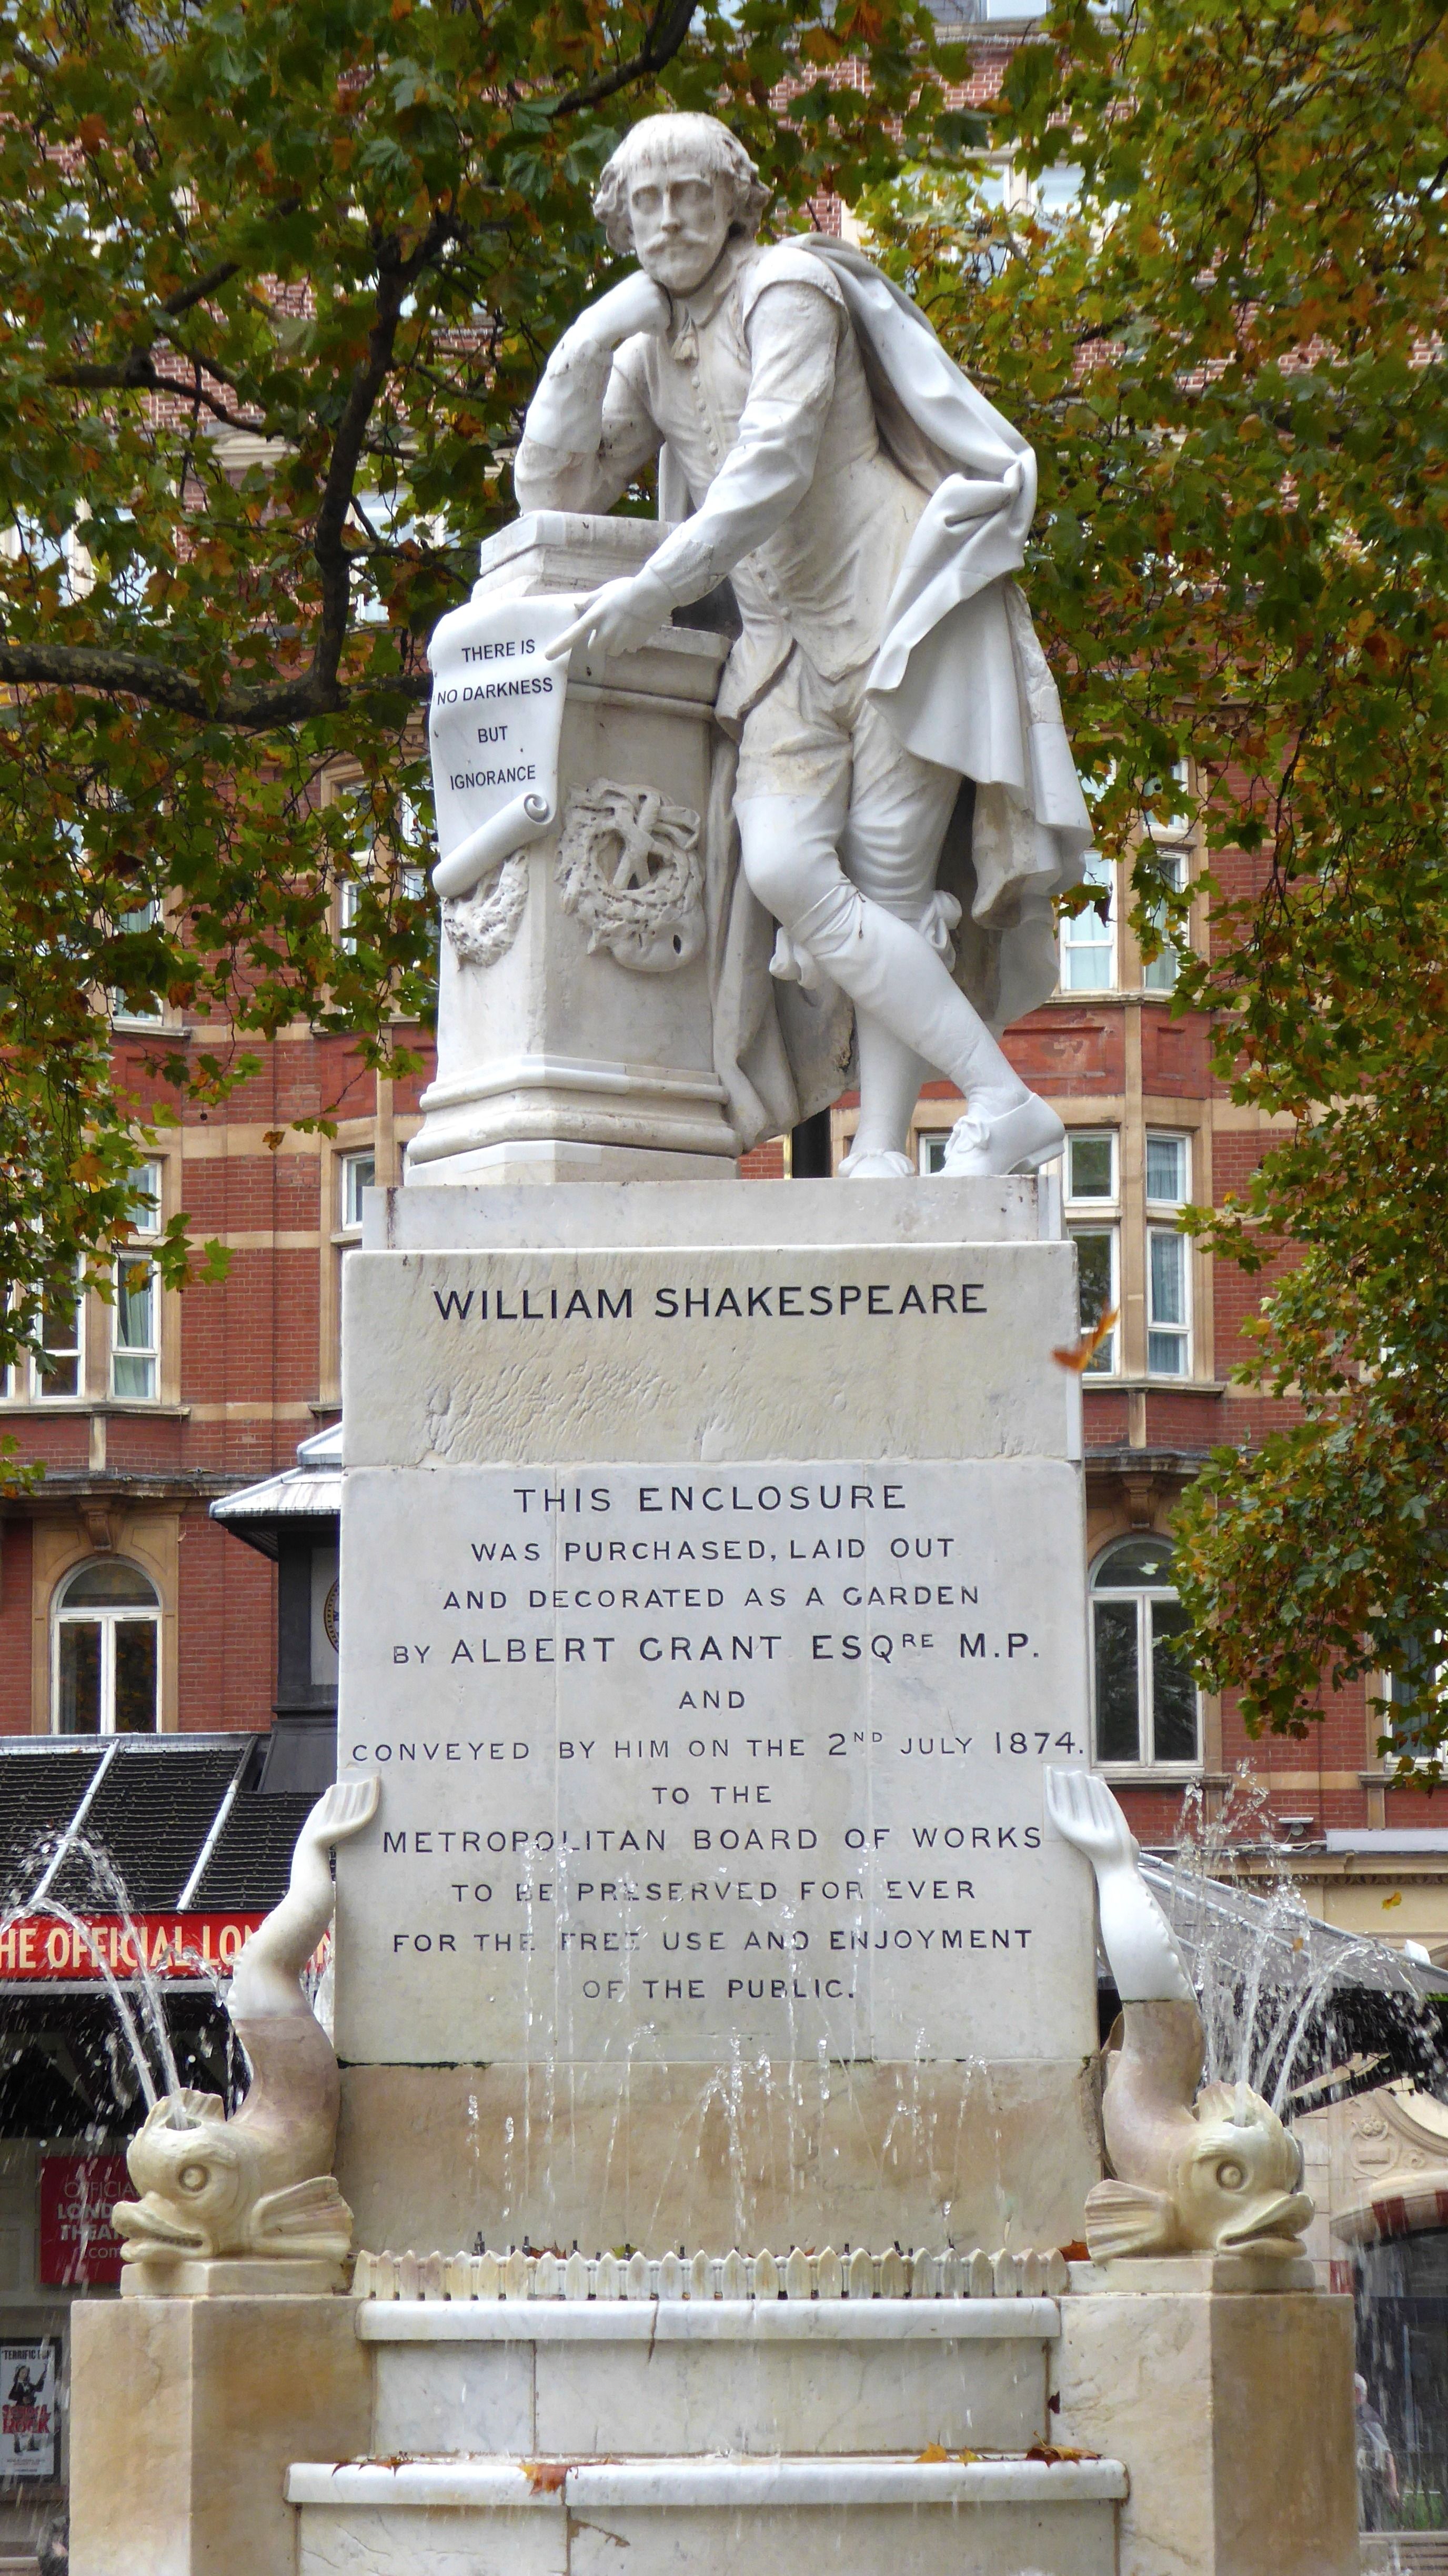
{"x":961,"y":680}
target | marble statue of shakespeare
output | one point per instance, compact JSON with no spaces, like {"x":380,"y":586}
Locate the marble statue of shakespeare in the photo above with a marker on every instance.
{"x":905,"y":799}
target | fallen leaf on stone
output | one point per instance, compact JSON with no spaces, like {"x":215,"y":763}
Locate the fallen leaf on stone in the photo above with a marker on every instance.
{"x":546,"y":2477}
{"x":1053,"y":2453}
{"x":932,"y":2451}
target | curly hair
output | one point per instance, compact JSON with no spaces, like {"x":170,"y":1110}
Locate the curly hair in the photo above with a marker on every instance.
{"x":704,"y":138}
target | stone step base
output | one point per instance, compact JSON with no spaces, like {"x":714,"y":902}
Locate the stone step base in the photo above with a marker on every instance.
{"x":846,"y":2517}
{"x":724,"y":2376}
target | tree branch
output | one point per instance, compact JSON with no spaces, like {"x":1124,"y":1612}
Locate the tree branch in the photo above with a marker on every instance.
{"x":668,"y":27}
{"x":395,"y":279}
{"x":137,"y":675}
{"x":140,"y":375}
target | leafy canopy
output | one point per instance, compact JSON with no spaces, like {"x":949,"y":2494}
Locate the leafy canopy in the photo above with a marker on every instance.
{"x":1229,"y":357}
{"x":276,"y":280}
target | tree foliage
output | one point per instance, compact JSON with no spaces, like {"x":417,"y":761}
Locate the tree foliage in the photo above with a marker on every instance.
{"x":1229,"y":356}
{"x":276,"y":279}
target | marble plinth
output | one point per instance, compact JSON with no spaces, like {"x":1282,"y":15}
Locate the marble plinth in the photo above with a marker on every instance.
{"x":184,"y":2415}
{"x":555,"y":1061}
{"x":1233,"y":2412}
{"x":236,"y":2277}
{"x":712,"y":1872}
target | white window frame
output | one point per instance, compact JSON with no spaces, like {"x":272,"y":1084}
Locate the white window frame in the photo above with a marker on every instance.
{"x":1175,"y":827}
{"x":1430,"y":1764}
{"x":1100,"y":872}
{"x":107,"y":1617}
{"x":350,"y":1186}
{"x":1159,"y":973}
{"x":1143,"y":1593}
{"x":1055,"y":214}
{"x":27,"y":1382}
{"x":145,"y":1228}
{"x":1097,"y":1215}
{"x":1180,"y":1334}
{"x":124,"y":1015}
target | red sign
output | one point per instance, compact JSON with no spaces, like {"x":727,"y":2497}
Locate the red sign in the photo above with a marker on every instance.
{"x":78,"y":2248}
{"x":44,"y":1949}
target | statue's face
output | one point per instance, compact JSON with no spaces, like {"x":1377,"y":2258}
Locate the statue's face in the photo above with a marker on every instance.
{"x":680,"y":216}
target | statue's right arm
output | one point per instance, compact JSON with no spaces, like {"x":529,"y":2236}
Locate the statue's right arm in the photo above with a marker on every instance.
{"x":588,"y":430}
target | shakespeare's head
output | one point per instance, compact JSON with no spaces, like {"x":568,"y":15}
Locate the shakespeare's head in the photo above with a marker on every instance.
{"x":674,"y":193}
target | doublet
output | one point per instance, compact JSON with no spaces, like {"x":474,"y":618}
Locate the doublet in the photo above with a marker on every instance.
{"x":759,"y":394}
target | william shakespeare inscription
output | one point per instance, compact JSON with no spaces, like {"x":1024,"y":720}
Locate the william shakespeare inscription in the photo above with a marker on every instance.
{"x":698,"y":1762}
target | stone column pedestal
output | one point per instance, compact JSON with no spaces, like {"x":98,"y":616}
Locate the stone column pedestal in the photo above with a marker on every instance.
{"x":185,"y":2416}
{"x":556,"y":1061}
{"x":1231,"y":2407}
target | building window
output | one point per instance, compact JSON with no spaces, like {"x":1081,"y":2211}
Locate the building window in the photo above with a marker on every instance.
{"x":136,"y":1312}
{"x":1159,"y":973}
{"x":933,"y":1142}
{"x":1146,"y":1700}
{"x":1088,"y":942}
{"x":1168,"y":1271}
{"x":107,"y":1652}
{"x":1091,"y":1186}
{"x":58,"y":1367}
{"x":143,"y":1013}
{"x":1057,"y":191}
{"x":1410,"y":1688}
{"x":356,"y":1173}
{"x":378,"y":858}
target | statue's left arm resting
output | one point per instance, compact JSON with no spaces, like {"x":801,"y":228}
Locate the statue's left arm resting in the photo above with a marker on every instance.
{"x":587,"y":433}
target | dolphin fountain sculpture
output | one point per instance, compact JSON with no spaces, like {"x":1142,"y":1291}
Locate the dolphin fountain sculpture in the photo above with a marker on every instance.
{"x":258,"y":2185}
{"x":1209,"y":2171}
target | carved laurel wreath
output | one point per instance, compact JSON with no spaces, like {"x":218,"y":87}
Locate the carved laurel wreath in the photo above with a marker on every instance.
{"x":629,"y":865}
{"x":484,"y":924}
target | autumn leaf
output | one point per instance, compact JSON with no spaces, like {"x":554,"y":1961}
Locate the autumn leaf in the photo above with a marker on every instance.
{"x":546,"y":2477}
{"x":1078,"y":1355}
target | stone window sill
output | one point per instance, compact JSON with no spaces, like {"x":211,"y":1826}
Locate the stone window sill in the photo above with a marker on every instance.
{"x":14,"y":1408}
{"x":1150,"y":1775}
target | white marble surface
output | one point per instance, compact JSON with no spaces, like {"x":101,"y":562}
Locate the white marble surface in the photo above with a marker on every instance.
{"x":554,"y":1063}
{"x":768,"y":1776}
{"x":718,"y":2484}
{"x":936,"y":1350}
{"x":825,"y":2518}
{"x":750,"y":2321}
{"x":1233,"y":2414}
{"x":699,"y":2379}
{"x":724,"y":1210}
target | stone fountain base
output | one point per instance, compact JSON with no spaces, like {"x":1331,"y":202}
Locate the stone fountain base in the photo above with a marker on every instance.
{"x":1180,"y":2418}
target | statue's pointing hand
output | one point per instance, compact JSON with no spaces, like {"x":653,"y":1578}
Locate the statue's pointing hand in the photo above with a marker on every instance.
{"x":618,"y":618}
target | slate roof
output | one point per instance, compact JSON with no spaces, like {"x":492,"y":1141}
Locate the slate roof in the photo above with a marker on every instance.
{"x":158,"y":1823}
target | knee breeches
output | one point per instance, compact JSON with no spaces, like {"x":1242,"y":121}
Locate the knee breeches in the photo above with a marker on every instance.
{"x":829,"y":799}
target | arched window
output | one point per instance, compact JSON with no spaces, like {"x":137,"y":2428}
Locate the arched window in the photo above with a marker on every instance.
{"x":107,"y":1651}
{"x":1146,"y":1700}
